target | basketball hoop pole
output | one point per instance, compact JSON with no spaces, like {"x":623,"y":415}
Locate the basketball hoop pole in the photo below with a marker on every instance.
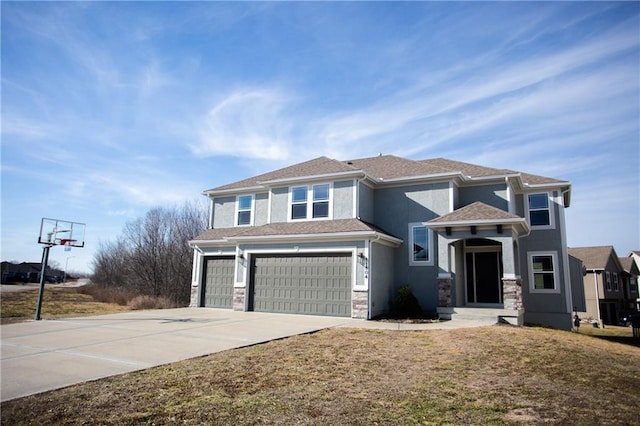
{"x":45,"y":260}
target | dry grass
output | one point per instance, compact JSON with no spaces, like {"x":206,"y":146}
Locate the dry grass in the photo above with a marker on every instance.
{"x":57,"y":302}
{"x":489,"y":375}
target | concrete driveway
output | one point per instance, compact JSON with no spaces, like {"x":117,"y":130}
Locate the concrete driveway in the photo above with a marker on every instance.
{"x":38,"y":356}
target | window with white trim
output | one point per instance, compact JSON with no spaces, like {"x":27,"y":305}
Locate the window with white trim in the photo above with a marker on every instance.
{"x":539,"y":210}
{"x":607,"y":277}
{"x":244,"y":208}
{"x":420,"y":245}
{"x":543,"y":274}
{"x":310,"y":202}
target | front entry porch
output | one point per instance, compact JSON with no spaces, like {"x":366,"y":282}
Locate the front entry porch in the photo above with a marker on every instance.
{"x":479,"y":271}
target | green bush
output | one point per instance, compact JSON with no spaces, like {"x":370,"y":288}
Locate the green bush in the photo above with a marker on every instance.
{"x":406,"y":305}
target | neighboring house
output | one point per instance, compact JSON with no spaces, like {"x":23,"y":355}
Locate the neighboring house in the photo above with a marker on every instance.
{"x":26,"y":272}
{"x":603,"y":283}
{"x":635,"y":255}
{"x":329,"y":237}
{"x":630,"y":273}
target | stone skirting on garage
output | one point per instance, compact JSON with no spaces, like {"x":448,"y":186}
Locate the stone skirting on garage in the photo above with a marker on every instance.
{"x":238,"y":298}
{"x":360,"y":304}
{"x":193,"y":303}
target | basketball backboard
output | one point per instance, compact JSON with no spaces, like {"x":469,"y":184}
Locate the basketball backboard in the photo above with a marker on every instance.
{"x":61,"y":232}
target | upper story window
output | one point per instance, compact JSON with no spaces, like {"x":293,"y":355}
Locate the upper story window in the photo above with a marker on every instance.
{"x":310,"y":201}
{"x":540,"y":210}
{"x":543,"y":277}
{"x":244,"y":210}
{"x":420,"y":245}
{"x":633,"y":285}
{"x":607,"y":279}
{"x":615,"y":282}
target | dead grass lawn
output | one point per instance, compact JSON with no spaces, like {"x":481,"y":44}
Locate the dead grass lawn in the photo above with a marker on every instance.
{"x":57,"y":302}
{"x":490,"y":375}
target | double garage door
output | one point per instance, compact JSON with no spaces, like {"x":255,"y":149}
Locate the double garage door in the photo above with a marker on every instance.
{"x":303,"y":284}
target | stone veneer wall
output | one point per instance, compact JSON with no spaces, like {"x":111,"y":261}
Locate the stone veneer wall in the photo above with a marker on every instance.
{"x":238,"y":298}
{"x":444,"y":292}
{"x":193,"y":303}
{"x":512,"y":293}
{"x":360,"y":304}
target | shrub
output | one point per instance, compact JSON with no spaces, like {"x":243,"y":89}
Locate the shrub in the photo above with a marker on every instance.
{"x":117,"y":295}
{"x":150,"y":302}
{"x":406,"y":305}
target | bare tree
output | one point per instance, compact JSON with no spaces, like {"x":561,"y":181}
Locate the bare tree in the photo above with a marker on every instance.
{"x":152,"y":256}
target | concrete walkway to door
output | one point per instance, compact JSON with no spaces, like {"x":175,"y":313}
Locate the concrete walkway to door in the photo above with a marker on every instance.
{"x":38,"y":356}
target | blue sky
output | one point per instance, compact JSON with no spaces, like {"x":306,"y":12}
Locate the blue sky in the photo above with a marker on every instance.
{"x":112,"y":108}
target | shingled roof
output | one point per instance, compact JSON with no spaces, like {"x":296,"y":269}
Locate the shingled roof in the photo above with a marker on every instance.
{"x":593,"y":257}
{"x":315,"y":227}
{"x":383,"y":168}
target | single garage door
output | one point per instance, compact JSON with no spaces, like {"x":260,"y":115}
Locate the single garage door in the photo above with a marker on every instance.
{"x":218,"y":282}
{"x":302,"y":284}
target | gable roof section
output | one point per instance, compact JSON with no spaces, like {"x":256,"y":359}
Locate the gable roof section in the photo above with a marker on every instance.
{"x":318,"y":229}
{"x":595,"y":258}
{"x":381,"y":169}
{"x":629,"y":265}
{"x":316,"y":167}
{"x":479,"y":213}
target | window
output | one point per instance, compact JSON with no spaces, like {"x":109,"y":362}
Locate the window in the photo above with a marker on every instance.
{"x":542,"y":273}
{"x":615,"y":282}
{"x":420,"y":250}
{"x":539,"y":210}
{"x":310,"y":202}
{"x":633,"y":285}
{"x":299,"y":202}
{"x":245,"y":206}
{"x":321,"y":200}
{"x":607,"y":277}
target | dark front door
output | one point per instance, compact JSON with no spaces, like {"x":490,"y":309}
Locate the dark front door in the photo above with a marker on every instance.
{"x":484,"y":273}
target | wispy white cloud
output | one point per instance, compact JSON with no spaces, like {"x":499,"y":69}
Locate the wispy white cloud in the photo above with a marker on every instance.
{"x":248,"y":123}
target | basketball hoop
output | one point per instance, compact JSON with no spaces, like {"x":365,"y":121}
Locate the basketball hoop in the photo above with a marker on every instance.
{"x":67,"y":243}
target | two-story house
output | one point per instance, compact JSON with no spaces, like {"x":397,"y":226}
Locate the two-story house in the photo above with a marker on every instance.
{"x":604,"y":283}
{"x":329,"y":237}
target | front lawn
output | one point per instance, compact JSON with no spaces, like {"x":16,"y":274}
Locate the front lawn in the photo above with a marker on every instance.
{"x":488,"y":375}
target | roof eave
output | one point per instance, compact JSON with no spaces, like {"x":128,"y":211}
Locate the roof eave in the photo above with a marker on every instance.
{"x":243,"y":190}
{"x":347,"y":174}
{"x":365,"y":235}
{"x":520,"y":224}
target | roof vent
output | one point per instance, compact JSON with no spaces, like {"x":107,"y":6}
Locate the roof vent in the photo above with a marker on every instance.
{"x":350,"y":162}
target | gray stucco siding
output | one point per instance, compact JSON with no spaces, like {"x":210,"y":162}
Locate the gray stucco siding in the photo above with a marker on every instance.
{"x":224,"y":211}
{"x":343,"y":199}
{"x":381,"y":274}
{"x":494,"y":195}
{"x":279,"y":204}
{"x":261,"y":208}
{"x":395,"y":208}
{"x":365,"y":203}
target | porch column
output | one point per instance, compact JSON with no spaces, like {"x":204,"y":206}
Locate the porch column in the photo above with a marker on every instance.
{"x":444,"y":272}
{"x":444,"y":291}
{"x":512,"y":293}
